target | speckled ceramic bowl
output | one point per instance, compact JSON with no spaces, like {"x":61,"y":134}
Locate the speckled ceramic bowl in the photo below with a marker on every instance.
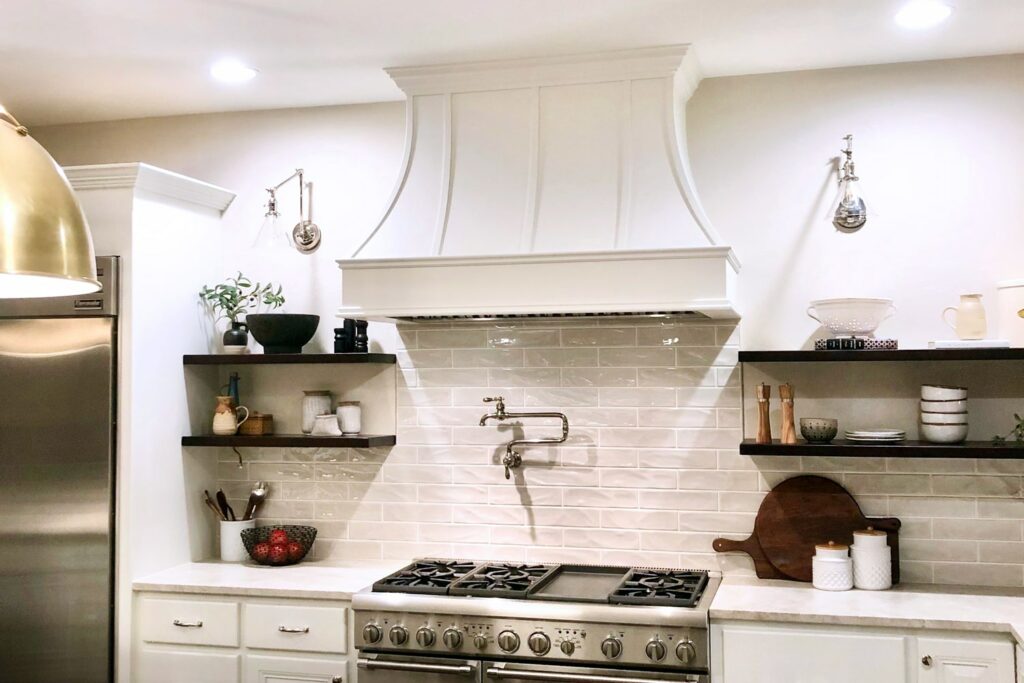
{"x":819,"y":429}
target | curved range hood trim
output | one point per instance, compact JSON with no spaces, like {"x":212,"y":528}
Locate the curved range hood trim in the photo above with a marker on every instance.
{"x":494,"y":163}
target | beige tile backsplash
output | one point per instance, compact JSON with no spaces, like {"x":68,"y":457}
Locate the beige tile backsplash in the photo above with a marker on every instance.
{"x":651,"y":474}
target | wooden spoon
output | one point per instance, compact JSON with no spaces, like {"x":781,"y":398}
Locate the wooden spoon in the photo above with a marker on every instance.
{"x":222,"y":500}
{"x":213,"y":506}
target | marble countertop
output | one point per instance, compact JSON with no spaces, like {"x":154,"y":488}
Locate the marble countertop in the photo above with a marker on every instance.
{"x":905,"y":606}
{"x":315,"y":579}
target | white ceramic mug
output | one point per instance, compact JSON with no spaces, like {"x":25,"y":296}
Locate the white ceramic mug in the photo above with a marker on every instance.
{"x":970,"y":322}
{"x":231,"y":547}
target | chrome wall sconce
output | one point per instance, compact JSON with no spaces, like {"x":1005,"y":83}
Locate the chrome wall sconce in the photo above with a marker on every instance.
{"x":851,"y":213}
{"x":305,"y":235}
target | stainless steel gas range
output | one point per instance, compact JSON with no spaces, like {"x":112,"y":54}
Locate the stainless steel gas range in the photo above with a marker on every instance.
{"x":441,"y":621}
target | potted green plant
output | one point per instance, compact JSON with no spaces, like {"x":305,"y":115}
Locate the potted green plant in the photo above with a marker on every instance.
{"x":234,"y":298}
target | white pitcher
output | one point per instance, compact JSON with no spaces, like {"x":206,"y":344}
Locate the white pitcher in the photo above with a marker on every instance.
{"x":970,"y":320}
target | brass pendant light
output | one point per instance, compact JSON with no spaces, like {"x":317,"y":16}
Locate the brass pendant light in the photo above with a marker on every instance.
{"x":45,"y":243}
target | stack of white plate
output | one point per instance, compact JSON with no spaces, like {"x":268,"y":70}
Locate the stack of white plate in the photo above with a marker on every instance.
{"x":876,"y":435}
{"x":943,"y":413}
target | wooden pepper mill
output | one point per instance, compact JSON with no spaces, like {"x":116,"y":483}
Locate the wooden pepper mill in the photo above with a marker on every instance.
{"x":764,"y":425}
{"x":787,"y":394}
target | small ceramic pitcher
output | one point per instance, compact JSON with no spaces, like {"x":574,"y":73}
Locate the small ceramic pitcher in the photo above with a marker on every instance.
{"x":970,"y":320}
{"x":225,"y":416}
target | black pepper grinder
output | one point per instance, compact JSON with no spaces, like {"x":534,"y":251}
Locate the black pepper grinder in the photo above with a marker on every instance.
{"x":362,"y":341}
{"x":341,"y":340}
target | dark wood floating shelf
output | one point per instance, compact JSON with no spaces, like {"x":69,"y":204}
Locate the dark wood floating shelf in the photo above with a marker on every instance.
{"x":291,"y":441}
{"x":901,"y":355}
{"x":289,"y":358}
{"x":905,"y":449}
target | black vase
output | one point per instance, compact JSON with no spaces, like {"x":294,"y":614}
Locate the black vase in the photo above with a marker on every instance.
{"x":236,"y":335}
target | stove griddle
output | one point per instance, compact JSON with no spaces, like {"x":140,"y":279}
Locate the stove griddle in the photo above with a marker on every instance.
{"x":579,"y":583}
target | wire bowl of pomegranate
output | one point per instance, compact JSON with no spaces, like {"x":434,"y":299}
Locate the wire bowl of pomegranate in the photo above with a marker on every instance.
{"x":279,"y":545}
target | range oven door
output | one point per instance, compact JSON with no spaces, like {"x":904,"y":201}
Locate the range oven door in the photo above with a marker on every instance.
{"x":513,"y":672}
{"x":386,"y":668}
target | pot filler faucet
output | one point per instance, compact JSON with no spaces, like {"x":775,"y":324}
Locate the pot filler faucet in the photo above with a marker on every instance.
{"x":512,"y":459}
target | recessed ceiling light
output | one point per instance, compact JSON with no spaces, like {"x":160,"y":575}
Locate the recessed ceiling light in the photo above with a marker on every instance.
{"x":921,"y":14}
{"x":232,"y":71}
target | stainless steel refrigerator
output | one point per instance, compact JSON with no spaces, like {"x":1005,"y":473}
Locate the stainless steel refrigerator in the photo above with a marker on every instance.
{"x":58,"y":364}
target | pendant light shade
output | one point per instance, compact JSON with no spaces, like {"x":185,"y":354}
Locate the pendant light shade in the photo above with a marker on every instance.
{"x":45,"y":244}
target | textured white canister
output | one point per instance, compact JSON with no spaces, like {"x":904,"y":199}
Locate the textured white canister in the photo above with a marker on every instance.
{"x":350,"y":417}
{"x":314,"y":403}
{"x":231,"y":547}
{"x":832,"y":568}
{"x":872,"y":560}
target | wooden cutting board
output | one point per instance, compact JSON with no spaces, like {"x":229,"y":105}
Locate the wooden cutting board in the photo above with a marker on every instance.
{"x":798,"y":514}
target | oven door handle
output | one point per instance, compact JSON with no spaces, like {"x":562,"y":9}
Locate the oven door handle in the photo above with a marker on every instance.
{"x":553,"y":677}
{"x":386,"y":665}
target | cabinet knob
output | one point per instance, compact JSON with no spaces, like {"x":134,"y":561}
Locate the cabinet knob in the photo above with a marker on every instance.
{"x":926,"y":660}
{"x":337,"y":679}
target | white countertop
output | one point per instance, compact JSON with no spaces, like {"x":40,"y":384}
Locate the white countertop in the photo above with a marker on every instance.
{"x":905,"y":606}
{"x":311,"y":579}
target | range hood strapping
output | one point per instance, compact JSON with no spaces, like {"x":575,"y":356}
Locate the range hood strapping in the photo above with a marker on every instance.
{"x":555,"y":186}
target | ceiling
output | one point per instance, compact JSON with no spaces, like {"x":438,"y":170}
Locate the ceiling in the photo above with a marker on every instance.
{"x":67,"y":61}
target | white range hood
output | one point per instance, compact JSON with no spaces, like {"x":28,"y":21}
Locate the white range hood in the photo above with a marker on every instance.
{"x":555,"y":186}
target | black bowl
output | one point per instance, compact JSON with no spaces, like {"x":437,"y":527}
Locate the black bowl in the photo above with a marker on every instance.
{"x":303,"y":535}
{"x":282,"y":332}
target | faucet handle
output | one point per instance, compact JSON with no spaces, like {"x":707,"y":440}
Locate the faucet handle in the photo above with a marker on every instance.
{"x":494,"y":399}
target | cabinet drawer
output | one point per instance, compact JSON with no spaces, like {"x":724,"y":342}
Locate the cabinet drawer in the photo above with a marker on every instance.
{"x":188,"y":622}
{"x":260,"y":669}
{"x":296,"y":627}
{"x":168,"y":666}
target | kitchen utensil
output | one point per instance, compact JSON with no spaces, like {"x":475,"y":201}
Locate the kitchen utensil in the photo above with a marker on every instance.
{"x":231,"y":547}
{"x":256,"y":497}
{"x":944,"y":433}
{"x":213,"y":506}
{"x":851,"y":317}
{"x":872,"y":560}
{"x":222,"y":500}
{"x":301,"y":535}
{"x":314,"y":402}
{"x":258,"y":424}
{"x":940,"y":392}
{"x":944,"y":406}
{"x":831,"y":567}
{"x":225,"y":416}
{"x":969,"y":317}
{"x":819,"y":429}
{"x":764,"y":425}
{"x":326,"y":425}
{"x":350,"y":417}
{"x":798,"y":514}
{"x":282,"y":332}
{"x":787,"y":394}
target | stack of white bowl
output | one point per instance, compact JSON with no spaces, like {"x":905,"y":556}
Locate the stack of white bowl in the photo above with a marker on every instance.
{"x":943,"y":413}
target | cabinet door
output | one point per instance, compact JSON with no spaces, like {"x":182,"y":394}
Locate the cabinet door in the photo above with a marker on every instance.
{"x":1020,"y":664}
{"x":260,"y":669}
{"x":176,"y":666}
{"x":950,"y":660}
{"x":783,"y":654}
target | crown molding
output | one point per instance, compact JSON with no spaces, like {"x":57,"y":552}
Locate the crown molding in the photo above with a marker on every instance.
{"x":139,"y":176}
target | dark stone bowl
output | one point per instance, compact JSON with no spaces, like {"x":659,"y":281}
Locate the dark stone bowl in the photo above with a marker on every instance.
{"x":282,"y":332}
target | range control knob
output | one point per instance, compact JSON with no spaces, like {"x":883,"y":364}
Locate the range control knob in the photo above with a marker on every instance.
{"x":508,"y":641}
{"x":567,"y":647}
{"x":539,"y":643}
{"x":611,"y":648}
{"x":452,"y":638}
{"x":480,"y":641}
{"x":425,"y":637}
{"x":686,"y":652}
{"x":398,"y":635}
{"x":655,"y":651}
{"x":372,"y":633}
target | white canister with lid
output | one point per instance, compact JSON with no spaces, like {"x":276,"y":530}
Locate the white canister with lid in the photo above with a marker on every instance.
{"x":872,"y":560}
{"x":316,"y":402}
{"x":350,"y":417}
{"x":832,"y":567}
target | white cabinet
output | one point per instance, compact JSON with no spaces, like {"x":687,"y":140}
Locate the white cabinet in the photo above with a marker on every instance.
{"x":1020,"y":664}
{"x":175,"y":666}
{"x":807,"y":655}
{"x":951,"y":660}
{"x":188,"y":622}
{"x":262,"y":669}
{"x":763,"y":652}
{"x":296,"y":627}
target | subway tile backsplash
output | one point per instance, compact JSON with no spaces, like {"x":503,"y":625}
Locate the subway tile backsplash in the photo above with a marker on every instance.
{"x":651,"y":473}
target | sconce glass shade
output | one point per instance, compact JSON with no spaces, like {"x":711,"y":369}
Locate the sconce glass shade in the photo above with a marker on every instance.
{"x":45,"y":244}
{"x":851,"y":212}
{"x":274,"y":233}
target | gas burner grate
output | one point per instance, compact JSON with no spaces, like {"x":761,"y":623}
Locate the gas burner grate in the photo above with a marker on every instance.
{"x":425,"y":576}
{"x":502,"y":580}
{"x":667,"y":587}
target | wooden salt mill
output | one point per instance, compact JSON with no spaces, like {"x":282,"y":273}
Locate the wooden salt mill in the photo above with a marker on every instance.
{"x":764,"y":425}
{"x":787,"y":394}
